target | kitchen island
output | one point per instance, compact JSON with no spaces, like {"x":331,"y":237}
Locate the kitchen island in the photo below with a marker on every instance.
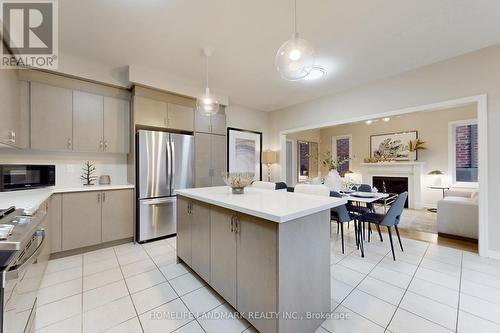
{"x":267,"y":253}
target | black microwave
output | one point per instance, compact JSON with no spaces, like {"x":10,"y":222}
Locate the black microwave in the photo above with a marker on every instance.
{"x":14,"y":177}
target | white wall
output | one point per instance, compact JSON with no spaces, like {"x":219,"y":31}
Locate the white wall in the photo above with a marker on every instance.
{"x":69,"y":165}
{"x":470,"y":74}
{"x":238,"y":116}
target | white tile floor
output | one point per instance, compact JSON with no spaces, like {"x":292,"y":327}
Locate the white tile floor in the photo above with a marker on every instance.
{"x":136,"y":288}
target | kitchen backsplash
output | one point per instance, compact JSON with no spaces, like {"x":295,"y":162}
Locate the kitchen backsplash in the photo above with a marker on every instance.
{"x":69,"y":167}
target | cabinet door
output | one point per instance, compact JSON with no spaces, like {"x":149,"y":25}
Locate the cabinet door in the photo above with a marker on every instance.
{"x":87,"y":122}
{"x":117,"y":215}
{"x":81,"y":219}
{"x":218,"y":121}
{"x":201,"y":123}
{"x":23,"y":137}
{"x":150,"y":112}
{"x":223,"y":254}
{"x":180,"y":117}
{"x":200,"y":240}
{"x":9,"y":108}
{"x":51,"y":117}
{"x":218,"y":159}
{"x":55,"y":221}
{"x":116,"y":125}
{"x":203,"y":160}
{"x":183,"y":230}
{"x":256,"y":269}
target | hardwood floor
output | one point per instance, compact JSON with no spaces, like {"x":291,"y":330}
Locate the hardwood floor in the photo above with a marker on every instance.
{"x":436,"y":239}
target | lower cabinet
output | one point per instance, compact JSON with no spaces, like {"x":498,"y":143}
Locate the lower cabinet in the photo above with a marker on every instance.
{"x":193,"y":235}
{"x":55,"y":222}
{"x":184,"y":229}
{"x":81,"y":219}
{"x":117,"y":215}
{"x":200,"y":239}
{"x":223,"y":254}
{"x":236,"y":254}
{"x":92,"y":217}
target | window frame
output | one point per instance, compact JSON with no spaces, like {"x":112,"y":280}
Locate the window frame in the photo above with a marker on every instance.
{"x":334,"y":147}
{"x":452,"y":152}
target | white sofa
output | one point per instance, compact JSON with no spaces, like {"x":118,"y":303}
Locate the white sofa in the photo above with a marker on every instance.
{"x":457,"y":214}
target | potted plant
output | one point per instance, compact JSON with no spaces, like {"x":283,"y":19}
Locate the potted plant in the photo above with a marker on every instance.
{"x":333,"y":180}
{"x":413,"y":147}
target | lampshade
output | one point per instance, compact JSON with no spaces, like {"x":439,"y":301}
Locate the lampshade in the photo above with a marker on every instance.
{"x":269,"y":157}
{"x":436,"y":173}
{"x":295,"y":59}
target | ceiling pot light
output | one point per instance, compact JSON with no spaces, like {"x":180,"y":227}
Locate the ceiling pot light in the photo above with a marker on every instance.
{"x":386,"y":119}
{"x":206,"y":104}
{"x":317,"y":72}
{"x":295,"y":58}
{"x":369,"y":122}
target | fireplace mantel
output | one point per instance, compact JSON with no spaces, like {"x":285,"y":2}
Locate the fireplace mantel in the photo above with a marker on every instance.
{"x":412,"y":170}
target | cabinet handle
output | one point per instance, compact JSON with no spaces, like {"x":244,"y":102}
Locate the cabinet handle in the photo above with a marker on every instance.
{"x":103,"y":196}
{"x":101,"y":145}
{"x":105,"y":145}
{"x":69,"y":144}
{"x":98,"y":197}
{"x":165,"y":121}
{"x":232,"y":223}
{"x":236,"y":225}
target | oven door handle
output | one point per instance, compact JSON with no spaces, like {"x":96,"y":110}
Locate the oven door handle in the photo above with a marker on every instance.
{"x":14,"y":274}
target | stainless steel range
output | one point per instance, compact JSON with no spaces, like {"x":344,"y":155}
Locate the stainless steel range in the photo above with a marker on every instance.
{"x":23,"y":258}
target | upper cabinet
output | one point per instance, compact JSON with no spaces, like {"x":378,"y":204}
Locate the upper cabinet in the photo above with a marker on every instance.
{"x":180,"y":117}
{"x":116,"y":125}
{"x":215,"y":124}
{"x":88,"y":116}
{"x":51,"y":117}
{"x":162,"y":114}
{"x":63,"y":119}
{"x":9,"y":109}
{"x":150,"y":112}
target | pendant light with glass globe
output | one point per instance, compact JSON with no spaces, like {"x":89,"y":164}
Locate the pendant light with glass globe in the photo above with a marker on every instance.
{"x":295,"y":58}
{"x":206,"y":104}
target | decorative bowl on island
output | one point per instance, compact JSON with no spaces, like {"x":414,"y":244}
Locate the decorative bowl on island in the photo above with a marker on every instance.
{"x":237,"y":181}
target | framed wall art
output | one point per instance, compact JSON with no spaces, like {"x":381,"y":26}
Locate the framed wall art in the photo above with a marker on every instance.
{"x":393,"y":145}
{"x":244,"y":148}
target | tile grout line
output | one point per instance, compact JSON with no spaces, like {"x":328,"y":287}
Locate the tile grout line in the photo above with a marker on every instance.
{"x":459,"y":291}
{"x":406,"y":290}
{"x":129,"y":295}
{"x":340,"y":303}
{"x":175,"y":291}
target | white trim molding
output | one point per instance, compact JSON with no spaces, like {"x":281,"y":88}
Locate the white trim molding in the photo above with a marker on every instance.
{"x":452,"y":163}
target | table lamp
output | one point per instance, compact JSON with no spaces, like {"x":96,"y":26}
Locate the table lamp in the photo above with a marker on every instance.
{"x":269,"y":158}
{"x":437,"y":177}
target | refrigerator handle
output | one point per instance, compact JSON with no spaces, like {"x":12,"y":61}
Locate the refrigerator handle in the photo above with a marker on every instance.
{"x":170,"y":165}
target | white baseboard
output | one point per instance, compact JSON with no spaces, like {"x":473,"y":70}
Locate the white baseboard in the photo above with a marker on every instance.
{"x":494,"y":254}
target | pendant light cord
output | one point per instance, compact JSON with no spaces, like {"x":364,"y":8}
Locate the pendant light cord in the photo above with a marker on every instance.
{"x":295,"y":17}
{"x":206,"y":70}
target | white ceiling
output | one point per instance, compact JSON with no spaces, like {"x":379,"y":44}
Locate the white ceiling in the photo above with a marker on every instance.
{"x":357,"y":40}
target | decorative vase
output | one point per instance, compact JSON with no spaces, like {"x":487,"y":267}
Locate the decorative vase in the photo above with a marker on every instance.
{"x":334,"y":181}
{"x":412,"y":156}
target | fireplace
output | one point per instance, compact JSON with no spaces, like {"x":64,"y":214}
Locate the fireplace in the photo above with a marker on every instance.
{"x":391,"y":185}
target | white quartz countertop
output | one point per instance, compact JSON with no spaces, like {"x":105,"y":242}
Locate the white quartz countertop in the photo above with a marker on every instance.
{"x":277,"y":206}
{"x":30,"y":200}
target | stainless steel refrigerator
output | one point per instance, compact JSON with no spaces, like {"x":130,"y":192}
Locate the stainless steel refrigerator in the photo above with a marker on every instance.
{"x":165,"y":163}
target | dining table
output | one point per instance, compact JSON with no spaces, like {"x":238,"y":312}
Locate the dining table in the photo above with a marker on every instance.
{"x":366,"y":198}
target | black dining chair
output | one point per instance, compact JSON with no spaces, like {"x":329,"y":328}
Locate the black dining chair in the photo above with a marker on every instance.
{"x":341,"y":215}
{"x":390,"y":219}
{"x":280,"y":186}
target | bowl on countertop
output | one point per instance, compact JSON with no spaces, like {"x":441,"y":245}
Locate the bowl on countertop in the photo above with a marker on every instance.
{"x":237,"y":181}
